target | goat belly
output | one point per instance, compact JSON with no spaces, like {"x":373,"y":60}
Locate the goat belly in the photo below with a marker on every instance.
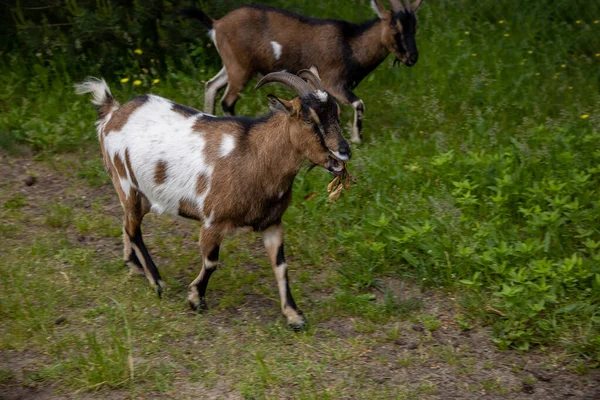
{"x":272,"y":211}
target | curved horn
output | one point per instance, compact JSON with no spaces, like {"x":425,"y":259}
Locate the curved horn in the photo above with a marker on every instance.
{"x":396,"y":5}
{"x":294,"y":82}
{"x":415,"y":6}
{"x":311,"y":78}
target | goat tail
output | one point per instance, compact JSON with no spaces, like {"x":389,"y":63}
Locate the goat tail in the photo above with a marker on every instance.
{"x":196,"y":13}
{"x":102,"y":98}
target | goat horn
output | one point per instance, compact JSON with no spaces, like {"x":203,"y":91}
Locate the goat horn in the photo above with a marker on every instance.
{"x":396,"y":5}
{"x":415,"y":6}
{"x":294,"y":82}
{"x":311,"y":78}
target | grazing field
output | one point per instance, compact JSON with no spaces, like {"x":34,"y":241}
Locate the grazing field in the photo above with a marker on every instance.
{"x":465,"y":263}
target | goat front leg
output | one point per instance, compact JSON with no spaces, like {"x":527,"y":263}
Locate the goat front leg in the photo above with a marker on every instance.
{"x":210,"y":241}
{"x":346,"y":96}
{"x":273,"y":240}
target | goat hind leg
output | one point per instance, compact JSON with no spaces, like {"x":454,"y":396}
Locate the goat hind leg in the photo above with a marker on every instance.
{"x":135,"y":209}
{"x":237,"y":82}
{"x":212,"y":87}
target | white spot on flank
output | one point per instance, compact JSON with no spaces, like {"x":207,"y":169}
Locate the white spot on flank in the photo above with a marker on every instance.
{"x":281,"y":194}
{"x":276,"y":50}
{"x":339,"y":156}
{"x":227,"y":144}
{"x":321,"y":95}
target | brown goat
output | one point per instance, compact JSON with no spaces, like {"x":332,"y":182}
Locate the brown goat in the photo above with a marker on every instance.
{"x":230,"y":172}
{"x":259,"y":39}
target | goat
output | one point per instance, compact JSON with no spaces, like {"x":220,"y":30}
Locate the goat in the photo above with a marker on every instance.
{"x":227,"y":172}
{"x":259,"y":39}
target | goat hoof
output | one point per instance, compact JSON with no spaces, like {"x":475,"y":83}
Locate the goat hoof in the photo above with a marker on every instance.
{"x":158,"y":288}
{"x":297,"y":324}
{"x":200,"y":306}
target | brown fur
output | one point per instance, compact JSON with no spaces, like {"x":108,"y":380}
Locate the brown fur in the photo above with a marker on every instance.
{"x":120,"y":117}
{"x":119,"y":166}
{"x":160,"y":172}
{"x":188,"y":209}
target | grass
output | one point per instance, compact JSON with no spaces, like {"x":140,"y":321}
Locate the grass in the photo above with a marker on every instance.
{"x":478,"y":176}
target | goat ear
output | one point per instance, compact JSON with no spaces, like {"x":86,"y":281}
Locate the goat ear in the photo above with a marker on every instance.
{"x":379,"y":9}
{"x":278,"y":105}
{"x":416,"y":5}
{"x":313,"y":68}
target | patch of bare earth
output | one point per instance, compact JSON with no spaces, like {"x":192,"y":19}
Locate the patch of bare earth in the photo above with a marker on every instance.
{"x":454,"y":364}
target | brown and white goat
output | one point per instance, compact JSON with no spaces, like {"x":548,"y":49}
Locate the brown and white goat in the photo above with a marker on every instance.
{"x":228,"y":172}
{"x":259,"y":39}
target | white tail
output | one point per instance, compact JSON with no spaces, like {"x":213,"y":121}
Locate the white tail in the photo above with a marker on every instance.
{"x":98,"y":88}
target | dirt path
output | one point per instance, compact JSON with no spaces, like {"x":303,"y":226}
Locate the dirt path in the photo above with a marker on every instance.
{"x":348,"y":355}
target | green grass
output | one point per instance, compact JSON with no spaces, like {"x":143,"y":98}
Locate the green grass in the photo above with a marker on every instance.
{"x":479,"y":175}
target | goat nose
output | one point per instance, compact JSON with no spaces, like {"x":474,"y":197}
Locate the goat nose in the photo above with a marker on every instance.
{"x":344,"y":150}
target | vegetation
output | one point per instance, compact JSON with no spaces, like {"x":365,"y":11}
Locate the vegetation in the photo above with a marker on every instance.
{"x":479,"y":175}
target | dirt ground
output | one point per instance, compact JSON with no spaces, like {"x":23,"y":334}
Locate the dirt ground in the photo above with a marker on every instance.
{"x":458,"y":364}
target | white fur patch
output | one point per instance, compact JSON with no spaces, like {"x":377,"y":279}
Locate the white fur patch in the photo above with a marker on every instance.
{"x":155,"y":133}
{"x":276,"y":50}
{"x":321,"y":95}
{"x":213,"y":37}
{"x":272,"y":238}
{"x":125,"y":186}
{"x":227,"y":145}
{"x":209,"y":220}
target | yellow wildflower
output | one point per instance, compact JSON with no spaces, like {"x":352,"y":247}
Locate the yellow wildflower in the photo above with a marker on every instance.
{"x":530,"y":52}
{"x":506,"y":34}
{"x":501,"y":21}
{"x":596,"y":21}
{"x":124,"y":80}
{"x":155,"y":81}
{"x":467,"y":32}
{"x":578,"y":22}
{"x":585,"y":116}
{"x":137,"y":82}
{"x":474,"y":54}
{"x":138,"y":51}
{"x":570,"y":87}
{"x":597,"y":54}
{"x":537,"y":74}
{"x":563,"y":65}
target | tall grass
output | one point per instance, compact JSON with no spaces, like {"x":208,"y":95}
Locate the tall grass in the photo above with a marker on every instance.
{"x":479,"y":172}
